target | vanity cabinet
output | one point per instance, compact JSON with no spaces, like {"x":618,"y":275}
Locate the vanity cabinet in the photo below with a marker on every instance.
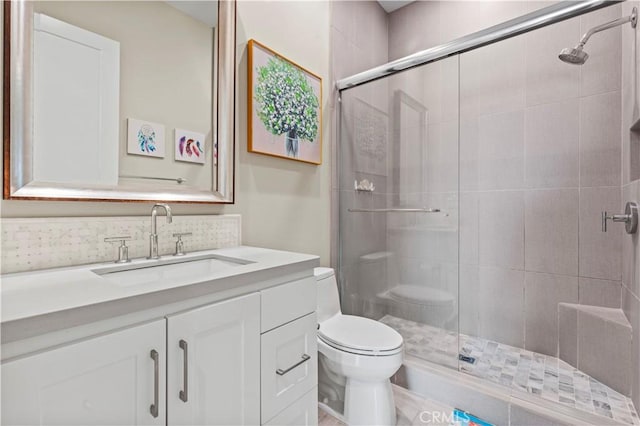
{"x":211,"y":356}
{"x":289,"y":361}
{"x":249,"y":359}
{"x":107,"y":380}
{"x":213,"y":377}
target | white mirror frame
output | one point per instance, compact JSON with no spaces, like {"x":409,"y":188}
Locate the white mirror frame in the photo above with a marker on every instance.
{"x":18,"y":181}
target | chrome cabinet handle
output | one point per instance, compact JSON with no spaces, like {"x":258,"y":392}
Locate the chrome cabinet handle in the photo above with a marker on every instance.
{"x":184,"y":393}
{"x":156,"y":379}
{"x":281,"y":372}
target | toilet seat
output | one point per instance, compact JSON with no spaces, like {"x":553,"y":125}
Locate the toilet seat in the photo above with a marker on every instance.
{"x":359,"y":335}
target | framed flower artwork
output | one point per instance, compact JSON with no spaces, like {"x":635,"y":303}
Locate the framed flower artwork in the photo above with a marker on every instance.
{"x":284,"y":114}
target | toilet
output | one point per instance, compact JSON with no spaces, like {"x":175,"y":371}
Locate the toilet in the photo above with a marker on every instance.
{"x":357,"y":357}
{"x":388,"y":294}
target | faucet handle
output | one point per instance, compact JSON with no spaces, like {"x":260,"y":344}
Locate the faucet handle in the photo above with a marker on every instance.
{"x":630,"y":218}
{"x":117,"y":239}
{"x":123,"y":250}
{"x":182,"y":234}
{"x":180,"y":243}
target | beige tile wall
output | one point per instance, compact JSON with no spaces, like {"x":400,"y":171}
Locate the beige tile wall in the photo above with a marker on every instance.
{"x":631,"y":191}
{"x":358,"y":42}
{"x":540,"y":158}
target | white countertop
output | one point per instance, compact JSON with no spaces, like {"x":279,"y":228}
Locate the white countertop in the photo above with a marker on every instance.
{"x":64,"y":294}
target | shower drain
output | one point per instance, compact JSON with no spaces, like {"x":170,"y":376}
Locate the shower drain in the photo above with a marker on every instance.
{"x":467,"y":359}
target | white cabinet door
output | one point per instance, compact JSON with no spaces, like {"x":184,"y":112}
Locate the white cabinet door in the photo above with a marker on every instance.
{"x":303,"y":412}
{"x":214,"y":364}
{"x":289,"y":364}
{"x":106,"y":380}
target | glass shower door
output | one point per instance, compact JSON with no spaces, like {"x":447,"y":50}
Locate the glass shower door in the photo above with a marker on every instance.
{"x":398,"y":160}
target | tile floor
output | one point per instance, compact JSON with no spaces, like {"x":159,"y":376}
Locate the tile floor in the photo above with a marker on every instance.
{"x":518,"y":369}
{"x":411,"y":409}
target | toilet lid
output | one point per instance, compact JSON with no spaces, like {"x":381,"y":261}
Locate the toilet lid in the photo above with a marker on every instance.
{"x":421,"y":295}
{"x":358,"y":333}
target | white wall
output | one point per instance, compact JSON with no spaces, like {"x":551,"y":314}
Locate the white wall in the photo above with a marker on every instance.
{"x":284,"y":204}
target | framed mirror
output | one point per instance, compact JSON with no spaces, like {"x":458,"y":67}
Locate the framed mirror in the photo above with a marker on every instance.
{"x":119,"y":101}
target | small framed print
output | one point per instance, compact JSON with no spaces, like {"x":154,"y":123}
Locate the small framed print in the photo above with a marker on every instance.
{"x":189,"y":146}
{"x":145,"y":138}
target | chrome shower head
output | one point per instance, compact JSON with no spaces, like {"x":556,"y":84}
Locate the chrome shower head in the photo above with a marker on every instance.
{"x":574,"y":55}
{"x":577,"y":56}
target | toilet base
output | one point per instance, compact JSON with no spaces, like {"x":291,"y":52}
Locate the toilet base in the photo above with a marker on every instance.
{"x":369,"y":403}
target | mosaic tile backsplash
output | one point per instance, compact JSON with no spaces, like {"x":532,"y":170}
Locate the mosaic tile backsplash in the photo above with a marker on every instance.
{"x":39,"y":243}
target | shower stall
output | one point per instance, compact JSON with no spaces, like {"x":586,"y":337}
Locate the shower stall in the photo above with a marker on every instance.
{"x":472,"y":176}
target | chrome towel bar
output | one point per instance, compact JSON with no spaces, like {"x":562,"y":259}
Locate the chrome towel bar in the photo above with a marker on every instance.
{"x":416,"y":210}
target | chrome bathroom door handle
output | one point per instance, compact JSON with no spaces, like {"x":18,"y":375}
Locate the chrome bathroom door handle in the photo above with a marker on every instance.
{"x":156,"y":383}
{"x":281,"y":372}
{"x":184,"y":393}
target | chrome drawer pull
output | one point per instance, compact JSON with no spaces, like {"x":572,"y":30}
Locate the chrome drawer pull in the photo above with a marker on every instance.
{"x":184,"y":395}
{"x":281,"y":372}
{"x":156,"y":372}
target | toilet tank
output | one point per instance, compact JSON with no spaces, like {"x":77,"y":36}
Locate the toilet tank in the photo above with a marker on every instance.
{"x":376,"y":273}
{"x":328,"y":298}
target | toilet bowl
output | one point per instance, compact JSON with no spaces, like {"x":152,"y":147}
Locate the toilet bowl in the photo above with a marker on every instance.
{"x":419,"y":300}
{"x":357,"y":357}
{"x":421,"y":304}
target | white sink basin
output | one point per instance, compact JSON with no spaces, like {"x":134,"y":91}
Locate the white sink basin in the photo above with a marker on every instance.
{"x":191,"y":269}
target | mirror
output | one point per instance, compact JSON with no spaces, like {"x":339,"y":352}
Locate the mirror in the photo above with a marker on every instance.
{"x":119,"y":101}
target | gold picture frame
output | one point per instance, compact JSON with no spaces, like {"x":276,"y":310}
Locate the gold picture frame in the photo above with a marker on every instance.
{"x":284,"y":107}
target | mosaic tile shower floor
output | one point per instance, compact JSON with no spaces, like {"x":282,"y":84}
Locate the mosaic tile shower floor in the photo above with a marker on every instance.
{"x":519,"y":369}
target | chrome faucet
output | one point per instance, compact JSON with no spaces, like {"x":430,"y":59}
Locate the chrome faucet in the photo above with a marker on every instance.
{"x":153,"y":238}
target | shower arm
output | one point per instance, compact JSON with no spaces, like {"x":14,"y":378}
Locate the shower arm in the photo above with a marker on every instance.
{"x":633,"y":18}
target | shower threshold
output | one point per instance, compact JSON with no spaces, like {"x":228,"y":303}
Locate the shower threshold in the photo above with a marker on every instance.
{"x":517,"y":369}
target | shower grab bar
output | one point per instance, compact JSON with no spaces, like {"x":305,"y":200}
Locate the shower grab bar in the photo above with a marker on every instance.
{"x":419,"y":210}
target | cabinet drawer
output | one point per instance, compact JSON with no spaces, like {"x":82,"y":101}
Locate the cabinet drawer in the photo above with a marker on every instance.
{"x":286,"y":373}
{"x":287,"y":302}
{"x":303,"y":412}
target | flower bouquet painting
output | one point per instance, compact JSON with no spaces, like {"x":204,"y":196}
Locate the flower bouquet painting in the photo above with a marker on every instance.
{"x":284,"y":107}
